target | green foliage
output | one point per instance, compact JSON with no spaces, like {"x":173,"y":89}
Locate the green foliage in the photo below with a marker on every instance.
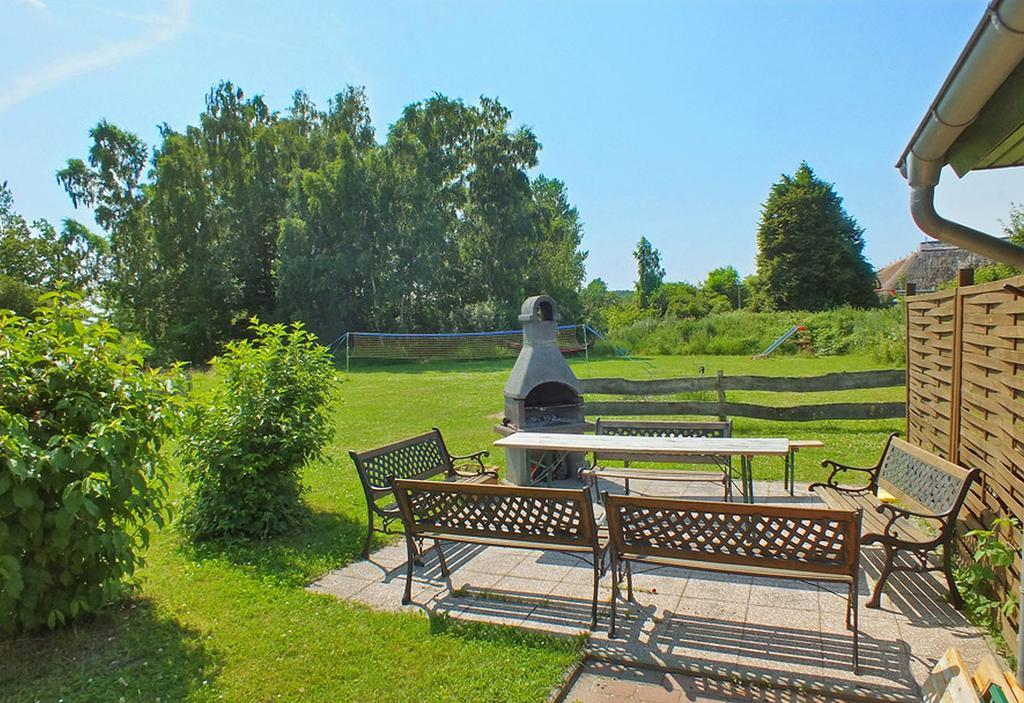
{"x":649,"y":272}
{"x":1014,"y":230}
{"x":305,"y":216}
{"x":81,"y":474}
{"x":831,"y":332}
{"x":976,"y":579}
{"x":246,"y":440}
{"x":810,"y":251}
{"x":597,"y":301}
{"x":36,"y":258}
{"x":725,"y":282}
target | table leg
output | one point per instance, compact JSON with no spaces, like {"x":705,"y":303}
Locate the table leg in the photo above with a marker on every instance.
{"x":792,"y":470}
{"x":747,"y":479}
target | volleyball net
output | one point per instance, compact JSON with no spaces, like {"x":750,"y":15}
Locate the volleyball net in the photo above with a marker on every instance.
{"x":572,"y":339}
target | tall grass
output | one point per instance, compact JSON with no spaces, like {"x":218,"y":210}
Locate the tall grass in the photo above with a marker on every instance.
{"x":877,"y":332}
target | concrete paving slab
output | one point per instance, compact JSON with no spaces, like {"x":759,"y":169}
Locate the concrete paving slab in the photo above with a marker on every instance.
{"x":717,"y":634}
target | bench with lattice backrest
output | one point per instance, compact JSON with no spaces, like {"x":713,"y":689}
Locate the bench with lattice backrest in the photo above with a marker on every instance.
{"x":663,"y":428}
{"x":929,"y":492}
{"x":810,"y":544}
{"x":422,"y":457}
{"x":550,"y":519}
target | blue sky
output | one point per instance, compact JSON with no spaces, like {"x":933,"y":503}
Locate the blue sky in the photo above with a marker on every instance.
{"x":666,"y":119}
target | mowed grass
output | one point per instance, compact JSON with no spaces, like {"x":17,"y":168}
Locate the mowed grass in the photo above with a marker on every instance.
{"x":235,"y":623}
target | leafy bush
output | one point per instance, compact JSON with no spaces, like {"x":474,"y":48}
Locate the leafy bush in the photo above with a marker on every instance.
{"x":247,"y":438}
{"x":81,"y":427}
{"x":839,"y":331}
{"x":976,"y":579}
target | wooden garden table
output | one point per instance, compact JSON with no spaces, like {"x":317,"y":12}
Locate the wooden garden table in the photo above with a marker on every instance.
{"x":719,"y":449}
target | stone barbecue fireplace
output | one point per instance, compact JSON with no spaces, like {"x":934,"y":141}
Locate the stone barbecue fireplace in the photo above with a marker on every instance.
{"x":542,"y":395}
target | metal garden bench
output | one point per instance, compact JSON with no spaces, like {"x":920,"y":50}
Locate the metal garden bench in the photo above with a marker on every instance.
{"x":929,"y":489}
{"x":662,"y":428}
{"x":420,"y":457}
{"x":497,"y":515}
{"x":811,"y":544}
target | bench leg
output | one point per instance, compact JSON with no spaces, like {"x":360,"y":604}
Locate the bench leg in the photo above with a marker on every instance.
{"x":853,"y":624}
{"x":440,"y":559}
{"x":876,"y":595}
{"x":615,"y":594}
{"x":369,"y":533}
{"x":629,"y":582}
{"x":410,"y":560}
{"x":947,"y":568}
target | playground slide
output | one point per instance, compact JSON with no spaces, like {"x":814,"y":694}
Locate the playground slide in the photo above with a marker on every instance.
{"x":780,"y":341}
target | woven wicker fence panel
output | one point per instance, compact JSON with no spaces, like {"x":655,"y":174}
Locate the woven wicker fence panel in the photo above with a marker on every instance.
{"x":991,"y":426}
{"x":930,"y":343}
{"x":974,"y":357}
{"x":813,"y":541}
{"x":497,"y":515}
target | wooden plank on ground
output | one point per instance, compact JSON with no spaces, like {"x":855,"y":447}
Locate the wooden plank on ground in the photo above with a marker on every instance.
{"x":950,"y":681}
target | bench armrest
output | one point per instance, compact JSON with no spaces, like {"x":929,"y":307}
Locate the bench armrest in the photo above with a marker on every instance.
{"x":838,"y":469}
{"x":475,"y":457}
{"x":898,"y":512}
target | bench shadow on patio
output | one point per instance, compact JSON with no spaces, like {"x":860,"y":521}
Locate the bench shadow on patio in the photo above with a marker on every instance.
{"x":784,"y":634}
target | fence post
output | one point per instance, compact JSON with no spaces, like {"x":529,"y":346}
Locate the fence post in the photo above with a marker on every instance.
{"x":721,"y":397}
{"x":586,"y":349}
{"x":347,"y":336}
{"x":909,"y":290}
{"x":964,"y":277}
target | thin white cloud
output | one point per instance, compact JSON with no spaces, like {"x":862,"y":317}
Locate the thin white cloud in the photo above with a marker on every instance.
{"x":38,"y":4}
{"x":160,"y":30}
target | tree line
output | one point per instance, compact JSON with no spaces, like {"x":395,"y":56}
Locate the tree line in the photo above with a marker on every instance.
{"x":810,"y":257}
{"x":303,"y":215}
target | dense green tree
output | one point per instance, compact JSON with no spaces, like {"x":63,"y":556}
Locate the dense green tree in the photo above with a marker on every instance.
{"x":684,"y":300}
{"x":725,"y":281}
{"x":304,"y":216}
{"x":556,"y":264}
{"x":650,"y":272}
{"x":810,"y":250}
{"x":36,"y":258}
{"x":597,"y":301}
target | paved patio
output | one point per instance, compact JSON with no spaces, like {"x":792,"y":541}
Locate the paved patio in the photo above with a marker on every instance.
{"x":689,"y":635}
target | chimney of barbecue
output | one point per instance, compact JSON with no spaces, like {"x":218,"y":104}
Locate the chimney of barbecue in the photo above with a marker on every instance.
{"x":542,"y":389}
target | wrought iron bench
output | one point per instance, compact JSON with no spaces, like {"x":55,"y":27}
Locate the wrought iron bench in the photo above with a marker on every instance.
{"x":812,"y":544}
{"x":660,"y":428}
{"x":420,"y":457}
{"x":929,"y":489}
{"x":499,"y":515}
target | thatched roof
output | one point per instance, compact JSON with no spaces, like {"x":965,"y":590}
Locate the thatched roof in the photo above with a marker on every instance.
{"x":933,"y":264}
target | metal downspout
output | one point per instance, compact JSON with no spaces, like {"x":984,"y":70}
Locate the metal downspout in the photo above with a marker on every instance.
{"x":922,"y":208}
{"x":994,"y":51}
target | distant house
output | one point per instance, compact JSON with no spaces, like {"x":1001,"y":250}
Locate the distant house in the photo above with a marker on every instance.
{"x":933,"y":264}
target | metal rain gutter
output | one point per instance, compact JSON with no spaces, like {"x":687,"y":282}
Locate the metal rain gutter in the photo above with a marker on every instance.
{"x":992,"y":53}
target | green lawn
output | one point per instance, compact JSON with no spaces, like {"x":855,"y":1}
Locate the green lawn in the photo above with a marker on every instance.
{"x":223,"y":623}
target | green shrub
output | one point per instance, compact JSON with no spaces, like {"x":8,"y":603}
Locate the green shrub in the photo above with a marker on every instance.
{"x":247,"y":437}
{"x":81,"y":427}
{"x":840,"y":331}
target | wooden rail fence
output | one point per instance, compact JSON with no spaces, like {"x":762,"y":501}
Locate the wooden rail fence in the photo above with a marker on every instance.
{"x":723,"y":408}
{"x":965,"y":395}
